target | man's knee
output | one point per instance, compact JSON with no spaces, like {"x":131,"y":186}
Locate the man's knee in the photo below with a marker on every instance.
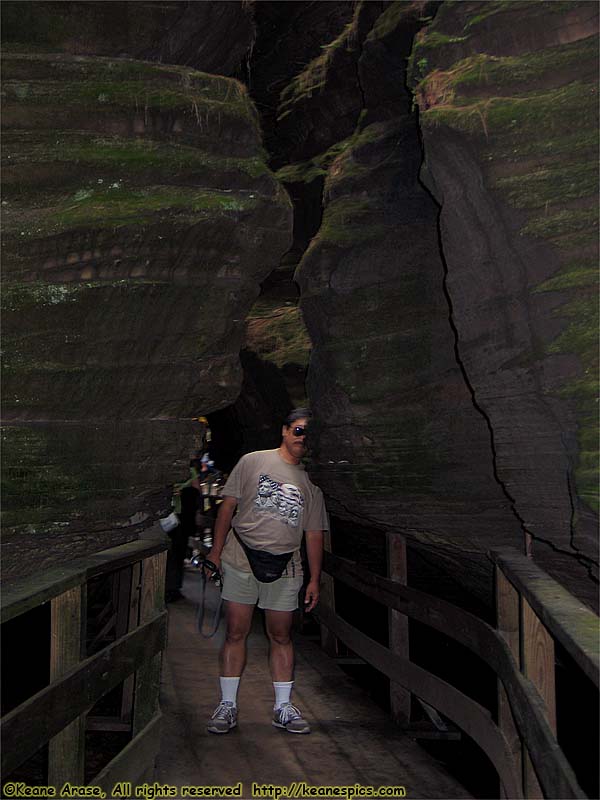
{"x":280,"y":636}
{"x":236,"y":635}
{"x":238,"y":625}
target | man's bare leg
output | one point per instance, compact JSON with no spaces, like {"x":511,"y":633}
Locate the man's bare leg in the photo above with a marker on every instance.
{"x":238,"y":617}
{"x":281,"y":662}
{"x":281,"y":655}
{"x":232,"y":661}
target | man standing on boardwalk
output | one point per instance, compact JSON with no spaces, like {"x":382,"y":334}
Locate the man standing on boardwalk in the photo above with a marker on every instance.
{"x":269,"y":502}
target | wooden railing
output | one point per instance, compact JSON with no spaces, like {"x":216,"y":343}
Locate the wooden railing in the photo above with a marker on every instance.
{"x":134,"y":624}
{"x":532,"y":610}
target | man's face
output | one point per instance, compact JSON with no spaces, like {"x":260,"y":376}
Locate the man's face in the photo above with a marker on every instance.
{"x":294,"y":438}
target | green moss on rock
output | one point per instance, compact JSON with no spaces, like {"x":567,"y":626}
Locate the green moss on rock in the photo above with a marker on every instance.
{"x":536,"y":116}
{"x":313,"y":77}
{"x":574,"y":275}
{"x":550,"y":184}
{"x":278,"y":334}
{"x":98,"y":82}
{"x":114,"y":153}
{"x":349,"y":221}
{"x":583,"y":222}
{"x":390,"y":20}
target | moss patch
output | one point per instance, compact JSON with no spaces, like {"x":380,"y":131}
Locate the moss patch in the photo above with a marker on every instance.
{"x":574,"y":275}
{"x":83,"y":86}
{"x":583,"y":222}
{"x":349,"y":221}
{"x":581,"y":338}
{"x":313,"y":77}
{"x":113,"y":153}
{"x":550,"y":184}
{"x":537,"y":116}
{"x":387,"y":22}
{"x":308,"y":171}
{"x":118,"y":206}
{"x":278,"y":334}
{"x":301,"y":172}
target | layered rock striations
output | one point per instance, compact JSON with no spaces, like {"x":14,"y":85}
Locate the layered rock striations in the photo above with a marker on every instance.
{"x":139,"y":219}
{"x":451,"y":307}
{"x":508,"y":100}
{"x":209,"y":36}
{"x":441,"y":365}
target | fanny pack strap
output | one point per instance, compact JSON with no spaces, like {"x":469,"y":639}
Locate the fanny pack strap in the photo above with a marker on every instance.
{"x":246,"y":547}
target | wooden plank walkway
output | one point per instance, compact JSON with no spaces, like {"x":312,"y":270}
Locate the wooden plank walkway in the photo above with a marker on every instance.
{"x":352,"y":742}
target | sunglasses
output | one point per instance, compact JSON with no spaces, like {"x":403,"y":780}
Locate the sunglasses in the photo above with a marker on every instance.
{"x":299,"y":430}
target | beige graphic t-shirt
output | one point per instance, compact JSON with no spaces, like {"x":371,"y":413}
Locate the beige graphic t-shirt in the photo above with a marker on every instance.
{"x":276,"y":503}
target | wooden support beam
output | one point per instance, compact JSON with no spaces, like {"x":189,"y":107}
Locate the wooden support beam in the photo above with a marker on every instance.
{"x":538,"y":665}
{"x":66,"y":750}
{"x":508,"y":620}
{"x":400,"y":697}
{"x":133,"y":605}
{"x":147,"y":680}
{"x":329,"y":642}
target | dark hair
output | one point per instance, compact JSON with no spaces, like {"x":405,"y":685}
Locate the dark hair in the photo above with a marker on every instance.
{"x":297,"y":413}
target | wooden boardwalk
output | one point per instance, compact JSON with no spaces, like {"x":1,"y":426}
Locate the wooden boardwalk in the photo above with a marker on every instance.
{"x":352,"y":741}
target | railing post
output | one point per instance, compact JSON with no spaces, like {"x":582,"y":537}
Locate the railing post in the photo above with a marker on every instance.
{"x":537,"y":665}
{"x":147,"y":680}
{"x":66,"y":751}
{"x":134,"y":575}
{"x":508,"y":619}
{"x":400,"y":697}
{"x":329,"y":642}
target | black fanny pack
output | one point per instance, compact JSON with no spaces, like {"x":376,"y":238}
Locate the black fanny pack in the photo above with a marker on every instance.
{"x":266,"y":567}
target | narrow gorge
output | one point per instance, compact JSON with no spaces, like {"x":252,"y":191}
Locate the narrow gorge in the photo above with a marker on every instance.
{"x":385,"y":209}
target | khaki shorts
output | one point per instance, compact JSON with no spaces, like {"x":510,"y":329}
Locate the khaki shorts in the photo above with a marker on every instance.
{"x":242,"y":587}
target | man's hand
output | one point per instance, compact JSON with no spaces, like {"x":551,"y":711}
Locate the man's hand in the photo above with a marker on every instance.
{"x":312,"y":596}
{"x":221,"y":530}
{"x":216,"y":560}
{"x":314,"y":554}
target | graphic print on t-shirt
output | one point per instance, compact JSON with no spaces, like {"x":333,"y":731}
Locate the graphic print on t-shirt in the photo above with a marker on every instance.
{"x":284,"y":501}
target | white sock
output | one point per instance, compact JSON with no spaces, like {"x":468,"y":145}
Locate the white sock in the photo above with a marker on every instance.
{"x":229,"y":688}
{"x":283,"y":691}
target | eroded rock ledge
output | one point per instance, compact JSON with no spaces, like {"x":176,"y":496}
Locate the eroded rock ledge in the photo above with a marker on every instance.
{"x":454,"y":363}
{"x":139,"y":219}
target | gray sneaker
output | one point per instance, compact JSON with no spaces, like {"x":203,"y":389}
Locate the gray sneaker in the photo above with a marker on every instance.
{"x":224,"y":718}
{"x":290,"y":718}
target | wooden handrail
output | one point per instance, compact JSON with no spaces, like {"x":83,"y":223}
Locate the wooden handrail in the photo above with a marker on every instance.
{"x":21,"y":595}
{"x":555,"y":773}
{"x":56,"y":714}
{"x":571,"y":622}
{"x":473,"y":718}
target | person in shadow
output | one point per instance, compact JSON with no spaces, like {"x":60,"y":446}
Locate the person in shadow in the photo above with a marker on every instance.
{"x":190,"y":499}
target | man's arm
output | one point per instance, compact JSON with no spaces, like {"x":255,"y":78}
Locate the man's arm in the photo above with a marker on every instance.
{"x":314,"y":554}
{"x":222,"y":526}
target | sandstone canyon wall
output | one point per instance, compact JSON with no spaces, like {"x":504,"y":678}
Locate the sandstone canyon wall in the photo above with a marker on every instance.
{"x":139,"y":217}
{"x":440,"y":162}
{"x":453,"y":307}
